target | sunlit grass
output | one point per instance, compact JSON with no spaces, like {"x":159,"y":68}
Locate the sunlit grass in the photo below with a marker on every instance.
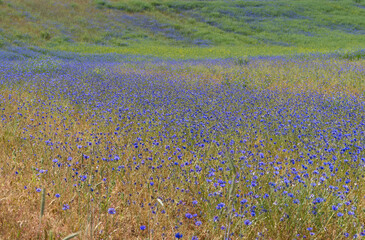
{"x":176,"y":52}
{"x":122,"y":147}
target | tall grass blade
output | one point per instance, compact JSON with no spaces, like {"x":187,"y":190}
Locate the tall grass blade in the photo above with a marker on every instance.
{"x":72,"y":235}
{"x":43,"y":201}
{"x":159,"y":200}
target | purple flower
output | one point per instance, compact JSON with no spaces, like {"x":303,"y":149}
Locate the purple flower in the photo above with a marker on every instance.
{"x":220,"y":206}
{"x":198,"y":223}
{"x":111,"y":211}
{"x":247,"y":222}
{"x":57,"y":195}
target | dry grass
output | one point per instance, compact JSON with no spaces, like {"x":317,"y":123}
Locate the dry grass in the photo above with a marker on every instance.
{"x":129,"y":190}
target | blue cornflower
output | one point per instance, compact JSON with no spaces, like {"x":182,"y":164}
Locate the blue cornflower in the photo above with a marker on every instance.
{"x":178,"y":235}
{"x":143,"y":227}
{"x":198,"y":223}
{"x":57,"y":195}
{"x":188,"y":215}
{"x":253,"y":184}
{"x":111,"y":211}
{"x":247,"y":222}
{"x":220,"y":205}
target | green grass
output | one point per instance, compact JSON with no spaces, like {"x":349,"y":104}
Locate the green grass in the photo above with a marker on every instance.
{"x":181,"y":52}
{"x":165,"y":28}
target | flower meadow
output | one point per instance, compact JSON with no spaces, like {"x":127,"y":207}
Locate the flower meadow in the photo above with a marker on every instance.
{"x":260,"y":148}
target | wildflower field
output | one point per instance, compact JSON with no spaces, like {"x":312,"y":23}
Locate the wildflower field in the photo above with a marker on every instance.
{"x":193,"y":119}
{"x":146,"y":148}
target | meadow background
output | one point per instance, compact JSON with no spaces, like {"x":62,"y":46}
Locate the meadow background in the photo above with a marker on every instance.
{"x":182,"y":119}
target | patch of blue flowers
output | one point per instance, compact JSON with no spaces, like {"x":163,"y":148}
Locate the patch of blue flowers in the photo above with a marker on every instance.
{"x":221,"y":157}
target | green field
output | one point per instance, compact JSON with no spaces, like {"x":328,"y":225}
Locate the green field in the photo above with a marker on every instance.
{"x":185,"y":29}
{"x":166,"y":119}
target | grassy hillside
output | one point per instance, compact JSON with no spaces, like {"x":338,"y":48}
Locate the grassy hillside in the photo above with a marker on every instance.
{"x":142,"y":27}
{"x":110,"y":130}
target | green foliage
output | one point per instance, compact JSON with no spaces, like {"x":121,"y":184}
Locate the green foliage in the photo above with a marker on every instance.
{"x":131,"y":6}
{"x":302,"y":26}
{"x":59,"y":40}
{"x":2,"y":41}
{"x":119,"y":42}
{"x":72,"y":235}
{"x":100,"y":3}
{"x":186,"y":5}
{"x":45,"y":35}
{"x":242,"y":61}
{"x":22,"y":36}
{"x":356,"y":55}
{"x":43,"y":201}
{"x":42,"y":64}
{"x":74,"y":5}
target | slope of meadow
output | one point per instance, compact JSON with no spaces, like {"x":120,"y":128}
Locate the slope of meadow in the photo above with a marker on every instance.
{"x":168,"y":27}
{"x":182,"y":119}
